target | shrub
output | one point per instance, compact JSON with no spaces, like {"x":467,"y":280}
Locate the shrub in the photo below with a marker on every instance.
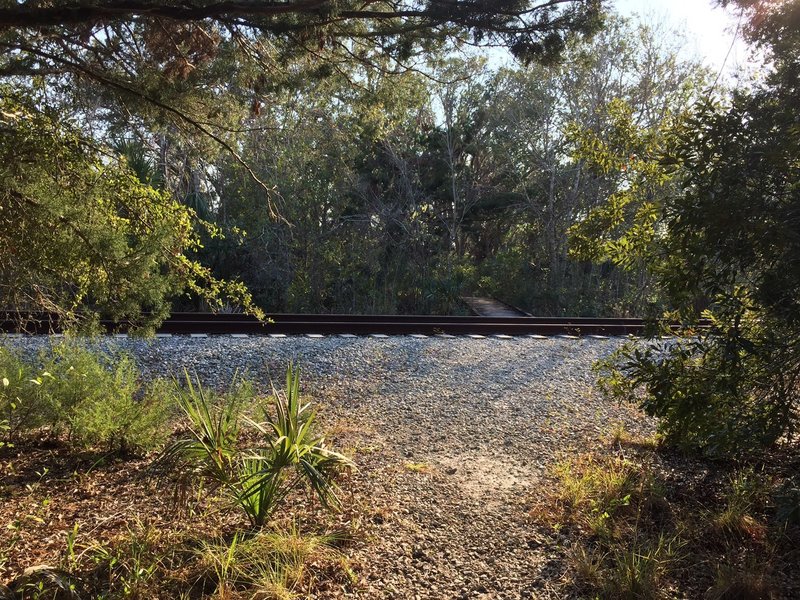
{"x":92,"y":398}
{"x":22,"y":404}
{"x":721,"y":245}
{"x":130,"y":423}
{"x":98,"y":399}
{"x":707,"y":393}
{"x":210,"y":449}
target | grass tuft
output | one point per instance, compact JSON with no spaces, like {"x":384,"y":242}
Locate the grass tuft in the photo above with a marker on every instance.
{"x":268,"y":564}
{"x":752,"y":582}
{"x":641,"y":523}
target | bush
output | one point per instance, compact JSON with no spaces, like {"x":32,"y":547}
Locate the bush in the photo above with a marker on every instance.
{"x":721,"y":245}
{"x":92,"y":398}
{"x":708,"y":392}
{"x":130,"y":423}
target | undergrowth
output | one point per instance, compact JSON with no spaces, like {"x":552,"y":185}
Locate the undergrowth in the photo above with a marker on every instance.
{"x":237,"y":482}
{"x":288,"y":454}
{"x":639,"y":523}
{"x":87,"y":398}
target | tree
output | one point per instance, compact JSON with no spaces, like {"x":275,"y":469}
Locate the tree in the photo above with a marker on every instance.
{"x":727,"y":249}
{"x":177,"y":61}
{"x":530,"y":29}
{"x":79,"y":230}
{"x":405,"y":192}
{"x":178,"y":78}
{"x":548,"y":129}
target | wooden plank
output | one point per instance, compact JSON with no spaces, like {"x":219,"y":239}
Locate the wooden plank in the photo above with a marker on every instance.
{"x":488,"y":307}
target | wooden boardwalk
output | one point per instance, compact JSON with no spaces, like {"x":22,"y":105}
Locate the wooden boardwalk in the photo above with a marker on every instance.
{"x":489,"y":307}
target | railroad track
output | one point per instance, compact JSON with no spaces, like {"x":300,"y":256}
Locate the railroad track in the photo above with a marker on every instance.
{"x":299,"y":324}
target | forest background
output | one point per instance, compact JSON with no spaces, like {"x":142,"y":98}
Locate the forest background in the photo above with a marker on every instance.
{"x":343,"y":179}
{"x":403,"y":192}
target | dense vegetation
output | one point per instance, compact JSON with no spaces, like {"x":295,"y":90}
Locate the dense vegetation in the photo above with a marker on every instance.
{"x":326,"y":157}
{"x":722,"y":246}
{"x":324,"y":178}
{"x":404,"y":192}
{"x":185,"y":97}
{"x":225,"y":454}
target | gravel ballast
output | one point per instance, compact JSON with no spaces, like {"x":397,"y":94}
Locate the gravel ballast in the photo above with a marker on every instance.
{"x":452,"y":436}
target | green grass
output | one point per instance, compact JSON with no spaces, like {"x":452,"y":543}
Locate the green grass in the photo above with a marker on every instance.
{"x":596,"y":490}
{"x":271,"y":564}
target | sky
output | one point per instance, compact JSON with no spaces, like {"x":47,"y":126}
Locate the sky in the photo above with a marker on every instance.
{"x":709,"y":29}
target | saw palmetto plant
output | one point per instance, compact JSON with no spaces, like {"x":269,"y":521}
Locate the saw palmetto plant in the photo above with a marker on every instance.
{"x":293,"y":455}
{"x":258,"y":478}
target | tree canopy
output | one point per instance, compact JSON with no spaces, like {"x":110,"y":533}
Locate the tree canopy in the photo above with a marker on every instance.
{"x":530,"y":28}
{"x":103,"y":99}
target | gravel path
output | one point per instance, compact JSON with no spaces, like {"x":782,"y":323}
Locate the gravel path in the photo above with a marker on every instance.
{"x":452,"y":438}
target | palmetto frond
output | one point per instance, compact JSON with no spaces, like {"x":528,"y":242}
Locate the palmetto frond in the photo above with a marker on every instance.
{"x":257,"y":479}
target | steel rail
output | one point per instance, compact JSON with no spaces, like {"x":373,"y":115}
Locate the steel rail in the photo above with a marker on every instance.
{"x":297,"y":324}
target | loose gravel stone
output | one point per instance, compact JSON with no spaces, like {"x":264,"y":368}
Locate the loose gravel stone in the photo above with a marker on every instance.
{"x":452,"y":437}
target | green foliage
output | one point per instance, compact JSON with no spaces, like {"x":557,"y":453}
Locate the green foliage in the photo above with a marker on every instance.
{"x":623,"y":229}
{"x":21,"y":399}
{"x":93,"y":398}
{"x":396,"y":192}
{"x":700,"y":400}
{"x":79,"y":232}
{"x":111,"y":149}
{"x":626,"y":546}
{"x":599,"y":492}
{"x":732,"y":387}
{"x":258,"y":479}
{"x":422,"y":191}
{"x":725,"y":247}
{"x":294,"y":452}
{"x":529,"y":30}
{"x":214,"y":421}
{"x":98,"y":399}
